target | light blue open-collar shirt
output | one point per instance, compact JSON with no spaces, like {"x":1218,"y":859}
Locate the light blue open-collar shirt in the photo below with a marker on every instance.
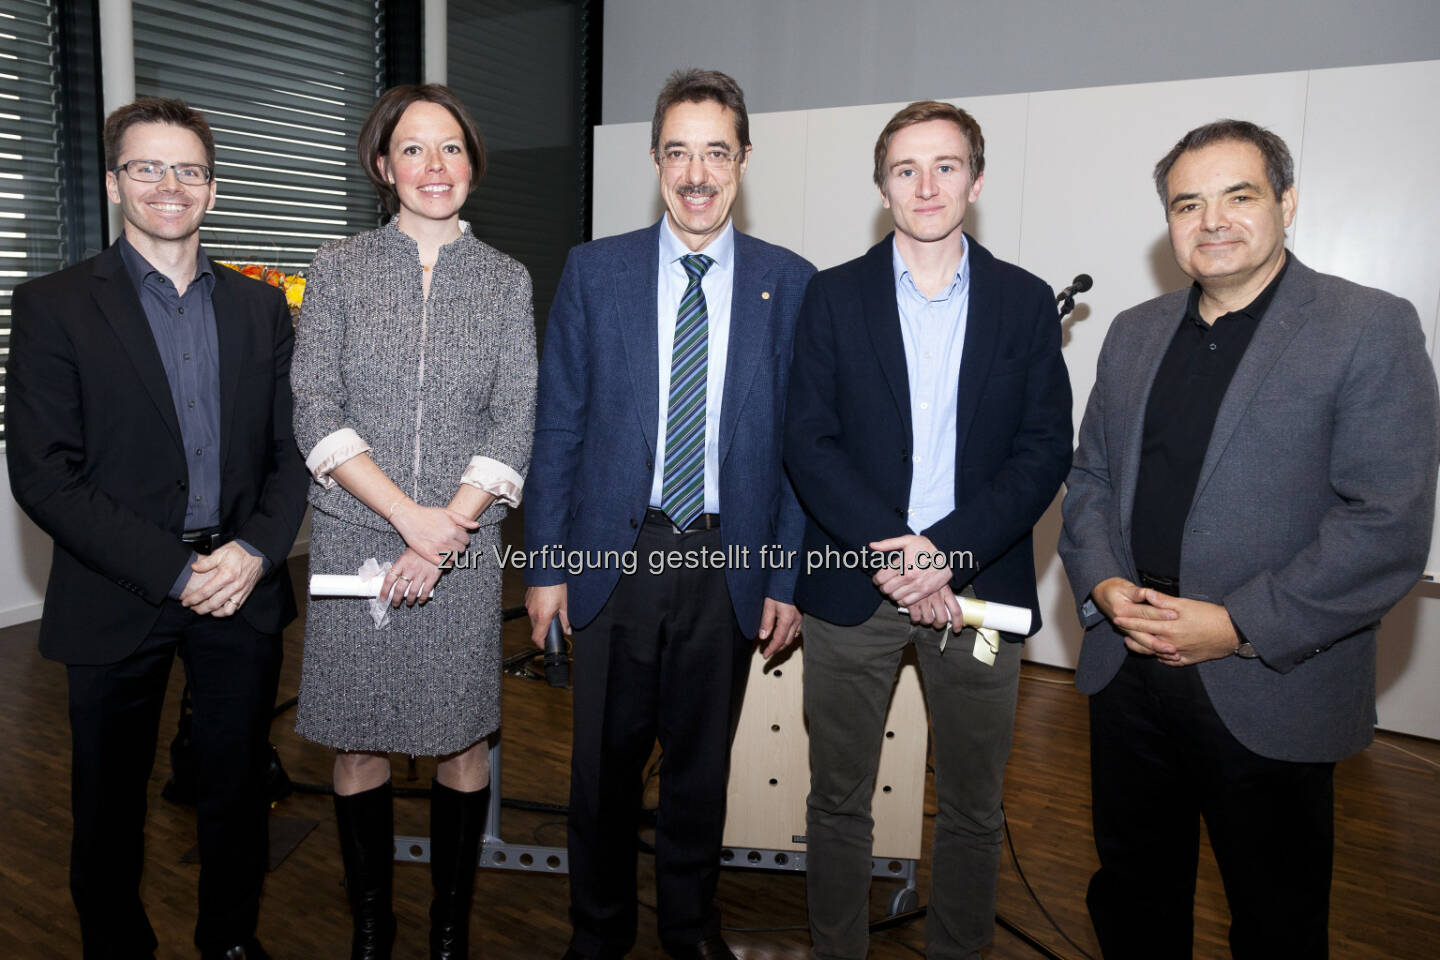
{"x":717,"y":285}
{"x":933,"y":331}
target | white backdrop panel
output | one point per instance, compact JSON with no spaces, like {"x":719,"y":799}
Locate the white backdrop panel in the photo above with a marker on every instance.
{"x":1370,"y":210}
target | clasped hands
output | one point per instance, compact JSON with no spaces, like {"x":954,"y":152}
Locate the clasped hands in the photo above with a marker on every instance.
{"x":430,"y":533}
{"x":221,"y":580}
{"x":1174,"y":630}
{"x":923,"y":589}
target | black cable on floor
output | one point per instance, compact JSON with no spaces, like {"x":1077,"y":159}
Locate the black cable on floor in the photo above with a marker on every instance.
{"x":1015,"y":859}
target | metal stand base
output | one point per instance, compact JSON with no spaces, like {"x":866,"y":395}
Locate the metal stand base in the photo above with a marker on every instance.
{"x":750,"y":858}
{"x":496,"y":854}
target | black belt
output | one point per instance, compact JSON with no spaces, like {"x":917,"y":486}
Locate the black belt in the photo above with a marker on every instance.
{"x":203,"y":541}
{"x":705,"y":521}
{"x":1168,"y":585}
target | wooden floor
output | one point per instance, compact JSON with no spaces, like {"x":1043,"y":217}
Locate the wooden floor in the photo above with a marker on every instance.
{"x":1386,"y":901}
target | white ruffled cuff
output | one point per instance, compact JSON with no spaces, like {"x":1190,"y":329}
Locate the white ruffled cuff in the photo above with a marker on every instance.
{"x":332,"y":451}
{"x":494,"y":477}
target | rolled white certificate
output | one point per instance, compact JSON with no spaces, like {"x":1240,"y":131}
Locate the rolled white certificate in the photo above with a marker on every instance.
{"x":994,"y":616}
{"x":990,"y":616}
{"x":343,"y":585}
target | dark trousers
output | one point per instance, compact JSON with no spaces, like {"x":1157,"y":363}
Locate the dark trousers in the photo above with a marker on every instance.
{"x":114,"y":721}
{"x":849,"y":679}
{"x":664,"y":659}
{"x":1160,"y":759}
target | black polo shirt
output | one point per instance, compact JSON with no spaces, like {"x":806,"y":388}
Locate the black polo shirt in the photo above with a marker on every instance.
{"x":1179,"y":418}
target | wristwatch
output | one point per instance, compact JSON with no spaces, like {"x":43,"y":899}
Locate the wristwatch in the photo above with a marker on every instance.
{"x":1246,"y":650}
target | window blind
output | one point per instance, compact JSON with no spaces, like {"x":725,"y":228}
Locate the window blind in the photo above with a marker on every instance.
{"x":285,"y":86}
{"x":32,"y":225}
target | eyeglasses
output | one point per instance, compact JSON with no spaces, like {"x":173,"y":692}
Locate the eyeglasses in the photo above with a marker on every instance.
{"x":153,"y":171}
{"x":715,"y":159}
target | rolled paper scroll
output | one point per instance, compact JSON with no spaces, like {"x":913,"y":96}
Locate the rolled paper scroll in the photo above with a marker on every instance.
{"x":366,"y":583}
{"x":343,"y":585}
{"x":994,"y":616}
{"x":1004,"y":617}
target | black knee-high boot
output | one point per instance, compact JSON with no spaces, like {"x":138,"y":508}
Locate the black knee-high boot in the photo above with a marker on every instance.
{"x":367,"y":844}
{"x":457,"y":822}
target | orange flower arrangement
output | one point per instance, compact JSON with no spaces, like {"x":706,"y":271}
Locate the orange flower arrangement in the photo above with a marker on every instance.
{"x":292,"y":283}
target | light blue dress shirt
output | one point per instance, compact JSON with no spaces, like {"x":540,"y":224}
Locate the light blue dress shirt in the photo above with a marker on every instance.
{"x":933,"y":331}
{"x":717,"y":285}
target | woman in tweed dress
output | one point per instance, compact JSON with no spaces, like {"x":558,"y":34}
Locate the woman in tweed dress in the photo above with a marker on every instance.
{"x":414,"y":381}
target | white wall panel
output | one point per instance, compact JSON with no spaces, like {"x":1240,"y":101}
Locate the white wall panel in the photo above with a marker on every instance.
{"x":1369,"y":203}
{"x":843,"y":216}
{"x":627,"y":193}
{"x":772,"y":205}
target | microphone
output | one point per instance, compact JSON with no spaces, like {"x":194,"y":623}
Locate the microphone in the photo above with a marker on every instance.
{"x":556,"y":657}
{"x":1081,"y":283}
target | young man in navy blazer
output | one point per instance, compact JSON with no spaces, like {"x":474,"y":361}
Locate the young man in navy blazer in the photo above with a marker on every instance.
{"x":928,"y":419}
{"x":658,"y":430}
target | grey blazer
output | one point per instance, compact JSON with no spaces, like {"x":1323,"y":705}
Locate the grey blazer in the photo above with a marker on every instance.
{"x":1311,"y":517}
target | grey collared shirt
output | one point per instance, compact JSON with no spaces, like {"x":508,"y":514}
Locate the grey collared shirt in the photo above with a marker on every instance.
{"x":183,"y":326}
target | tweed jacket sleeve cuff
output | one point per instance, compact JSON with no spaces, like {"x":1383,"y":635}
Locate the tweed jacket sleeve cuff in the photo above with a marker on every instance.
{"x":332,"y":451}
{"x":494,"y":477}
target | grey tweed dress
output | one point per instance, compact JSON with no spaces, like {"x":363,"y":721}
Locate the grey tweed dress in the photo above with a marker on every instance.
{"x":426,"y":385}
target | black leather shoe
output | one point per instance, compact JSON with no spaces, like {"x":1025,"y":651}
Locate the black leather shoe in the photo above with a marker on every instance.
{"x":245,"y":951}
{"x":711,"y":948}
{"x":573,"y":954}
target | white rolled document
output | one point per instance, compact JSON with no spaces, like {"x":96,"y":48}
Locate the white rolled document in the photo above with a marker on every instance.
{"x":994,"y":616}
{"x":345,"y":585}
{"x":991,"y":616}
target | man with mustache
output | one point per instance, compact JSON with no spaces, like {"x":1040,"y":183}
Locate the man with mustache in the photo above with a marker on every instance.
{"x":149,"y":434}
{"x":1242,"y":511}
{"x":665,"y":367}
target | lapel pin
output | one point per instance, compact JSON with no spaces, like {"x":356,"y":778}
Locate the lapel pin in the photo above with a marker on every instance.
{"x":764,"y":294}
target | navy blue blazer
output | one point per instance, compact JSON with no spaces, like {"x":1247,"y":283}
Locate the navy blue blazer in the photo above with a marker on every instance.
{"x":598,"y":405}
{"x":848,"y":430}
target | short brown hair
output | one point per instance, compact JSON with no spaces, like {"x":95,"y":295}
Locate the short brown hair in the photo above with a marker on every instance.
{"x":700,"y":86}
{"x":1279,"y":165}
{"x":374,"y":139}
{"x":177,"y":113}
{"x":922,"y":111}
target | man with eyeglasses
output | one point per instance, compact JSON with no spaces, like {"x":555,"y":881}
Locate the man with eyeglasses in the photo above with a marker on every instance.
{"x":149,"y":432}
{"x":657,"y":431}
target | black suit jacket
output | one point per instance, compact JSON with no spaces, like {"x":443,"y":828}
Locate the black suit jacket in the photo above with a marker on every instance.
{"x":848,"y":429}
{"x":95,"y":455}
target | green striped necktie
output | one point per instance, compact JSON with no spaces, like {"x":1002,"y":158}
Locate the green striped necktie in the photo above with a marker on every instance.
{"x":682,"y":495}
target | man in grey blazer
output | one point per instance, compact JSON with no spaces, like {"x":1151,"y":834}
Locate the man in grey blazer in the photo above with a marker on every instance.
{"x":1253,"y":489}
